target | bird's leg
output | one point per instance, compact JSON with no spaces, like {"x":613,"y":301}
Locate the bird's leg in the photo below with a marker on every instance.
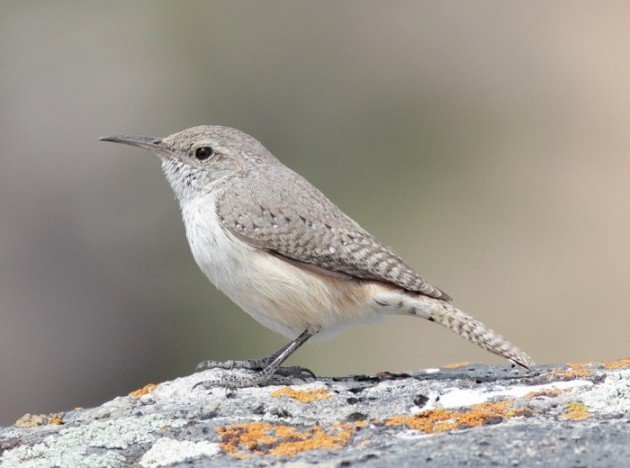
{"x":251,"y":364}
{"x":267,"y":367}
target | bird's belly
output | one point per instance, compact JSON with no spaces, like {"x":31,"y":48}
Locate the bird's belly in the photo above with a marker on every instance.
{"x":281,"y":296}
{"x":289,"y":299}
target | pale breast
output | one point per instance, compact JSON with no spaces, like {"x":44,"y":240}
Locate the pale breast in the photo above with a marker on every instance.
{"x":279,"y":295}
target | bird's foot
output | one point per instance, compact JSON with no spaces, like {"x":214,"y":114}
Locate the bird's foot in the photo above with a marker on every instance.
{"x":233,"y":381}
{"x":258,"y":365}
{"x":282,"y":376}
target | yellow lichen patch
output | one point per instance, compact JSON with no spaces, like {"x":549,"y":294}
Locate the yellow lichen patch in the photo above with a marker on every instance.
{"x":575,"y":370}
{"x":143,"y":391}
{"x":303,"y":396}
{"x":549,"y":393}
{"x":455,"y":365}
{"x":351,"y":427}
{"x":580,"y":363}
{"x":57,"y":419}
{"x":617,"y":364}
{"x":34,"y":420}
{"x":266,"y":439}
{"x":576,"y":411}
{"x":439,"y":420}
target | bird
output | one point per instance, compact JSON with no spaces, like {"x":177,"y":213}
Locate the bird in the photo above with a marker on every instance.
{"x":286,"y":254}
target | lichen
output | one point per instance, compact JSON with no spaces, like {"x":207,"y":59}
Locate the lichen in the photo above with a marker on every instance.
{"x":143,"y":391}
{"x":267,"y":439}
{"x":612,"y":395}
{"x":303,"y":396}
{"x":166,"y":451}
{"x":71,"y":444}
{"x":576,"y":411}
{"x":34,"y":420}
{"x":575,"y":370}
{"x":439,"y":420}
{"x":548,"y":393}
{"x":617,"y":364}
{"x":455,"y":365}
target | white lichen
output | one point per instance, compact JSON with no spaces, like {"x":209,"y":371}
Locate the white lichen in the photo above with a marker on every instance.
{"x":166,"y":451}
{"x":458,"y":398}
{"x":70,"y":445}
{"x":610,"y":397}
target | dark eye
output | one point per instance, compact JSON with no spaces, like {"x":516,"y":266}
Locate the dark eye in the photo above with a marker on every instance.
{"x":203,"y":152}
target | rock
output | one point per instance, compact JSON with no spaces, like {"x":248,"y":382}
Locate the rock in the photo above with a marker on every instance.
{"x":574,"y":415}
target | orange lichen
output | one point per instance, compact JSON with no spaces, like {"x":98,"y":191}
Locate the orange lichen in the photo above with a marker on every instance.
{"x":575,"y":370}
{"x":303,"y":396}
{"x":617,"y":364}
{"x":265,"y":439}
{"x":576,"y":411}
{"x":439,"y":420}
{"x":34,"y":420}
{"x":454,"y":365}
{"x":349,"y":427}
{"x":549,"y":393}
{"x":580,"y":363}
{"x":57,"y":419}
{"x":143,"y":391}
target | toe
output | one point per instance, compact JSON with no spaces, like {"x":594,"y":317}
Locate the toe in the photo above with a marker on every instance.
{"x":216,"y":365}
{"x":231,"y":382}
{"x":206,"y":365}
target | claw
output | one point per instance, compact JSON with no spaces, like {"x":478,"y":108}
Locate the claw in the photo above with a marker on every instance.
{"x":203,"y":365}
{"x":200,"y":384}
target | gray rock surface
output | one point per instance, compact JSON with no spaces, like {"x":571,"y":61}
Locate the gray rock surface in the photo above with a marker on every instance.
{"x":471,"y":414}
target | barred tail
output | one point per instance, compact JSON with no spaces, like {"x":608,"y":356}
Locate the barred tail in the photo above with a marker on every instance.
{"x":444,"y":313}
{"x":475,"y":331}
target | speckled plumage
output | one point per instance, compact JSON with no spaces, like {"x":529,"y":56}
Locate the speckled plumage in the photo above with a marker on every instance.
{"x":285,"y":253}
{"x":277,"y":210}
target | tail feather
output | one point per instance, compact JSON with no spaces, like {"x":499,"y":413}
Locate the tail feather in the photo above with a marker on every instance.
{"x":447,"y":315}
{"x":476,"y":332}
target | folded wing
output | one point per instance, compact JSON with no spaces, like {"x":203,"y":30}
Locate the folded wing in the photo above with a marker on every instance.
{"x":302,"y":226}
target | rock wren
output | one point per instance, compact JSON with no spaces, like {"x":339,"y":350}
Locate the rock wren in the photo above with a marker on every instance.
{"x":286,"y":254}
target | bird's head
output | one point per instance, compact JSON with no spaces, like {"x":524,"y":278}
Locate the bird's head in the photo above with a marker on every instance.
{"x":196,"y":157}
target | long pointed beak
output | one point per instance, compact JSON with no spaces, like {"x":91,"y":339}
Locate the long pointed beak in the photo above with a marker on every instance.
{"x":150,"y":143}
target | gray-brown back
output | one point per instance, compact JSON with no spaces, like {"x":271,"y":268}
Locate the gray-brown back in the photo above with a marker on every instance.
{"x":274,"y":209}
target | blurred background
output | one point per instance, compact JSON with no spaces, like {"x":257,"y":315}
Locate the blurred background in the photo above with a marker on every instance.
{"x":488,"y":142}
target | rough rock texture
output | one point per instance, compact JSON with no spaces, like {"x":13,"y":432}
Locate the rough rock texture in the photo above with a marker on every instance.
{"x":575,"y":415}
